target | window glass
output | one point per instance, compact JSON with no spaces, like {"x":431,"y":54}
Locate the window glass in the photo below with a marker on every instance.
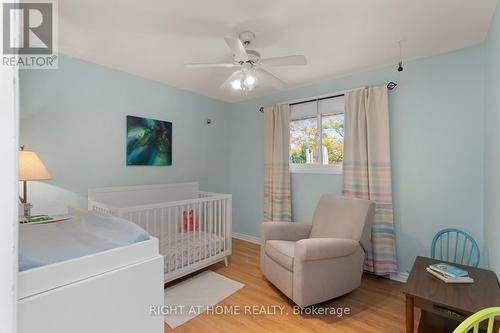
{"x":333,"y":139}
{"x":304,"y":141}
{"x":317,"y":135}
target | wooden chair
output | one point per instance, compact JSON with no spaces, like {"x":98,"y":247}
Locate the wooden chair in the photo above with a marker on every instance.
{"x":477,"y":318}
{"x":456,"y":246}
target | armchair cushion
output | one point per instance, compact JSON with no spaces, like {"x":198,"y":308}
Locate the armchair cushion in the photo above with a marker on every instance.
{"x":324,"y":248}
{"x":343,"y":217}
{"x":281,"y":252}
{"x":286,"y":231}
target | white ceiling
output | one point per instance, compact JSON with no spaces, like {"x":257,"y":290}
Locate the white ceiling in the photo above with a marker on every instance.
{"x":155,"y":38}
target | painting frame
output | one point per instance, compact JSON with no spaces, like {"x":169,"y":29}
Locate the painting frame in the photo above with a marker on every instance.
{"x":148,"y":142}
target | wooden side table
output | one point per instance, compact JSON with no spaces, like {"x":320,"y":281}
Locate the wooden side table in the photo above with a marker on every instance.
{"x":443,"y":305}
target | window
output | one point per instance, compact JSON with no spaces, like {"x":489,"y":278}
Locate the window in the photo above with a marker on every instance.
{"x":317,"y":136}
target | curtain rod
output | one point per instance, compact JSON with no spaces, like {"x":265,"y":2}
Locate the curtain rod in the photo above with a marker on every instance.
{"x":390,"y":86}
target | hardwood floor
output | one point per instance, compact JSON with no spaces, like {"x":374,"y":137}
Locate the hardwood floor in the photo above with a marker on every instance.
{"x":377,"y":306}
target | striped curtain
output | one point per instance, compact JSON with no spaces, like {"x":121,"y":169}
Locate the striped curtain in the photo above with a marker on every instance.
{"x":367,"y":170}
{"x":277,"y":203}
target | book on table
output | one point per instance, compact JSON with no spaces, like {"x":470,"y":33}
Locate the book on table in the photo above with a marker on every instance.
{"x":449,"y":274}
{"x":448,"y":269}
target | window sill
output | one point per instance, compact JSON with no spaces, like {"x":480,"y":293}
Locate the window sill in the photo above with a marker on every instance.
{"x":316,"y":169}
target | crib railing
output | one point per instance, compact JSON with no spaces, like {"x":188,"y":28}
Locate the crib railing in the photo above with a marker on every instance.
{"x":192,"y":233}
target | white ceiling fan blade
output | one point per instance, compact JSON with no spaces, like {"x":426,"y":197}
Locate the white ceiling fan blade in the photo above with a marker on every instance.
{"x":273,"y":80}
{"x":237,"y":47}
{"x":235,"y":76}
{"x":211,"y":65}
{"x":295,"y":60}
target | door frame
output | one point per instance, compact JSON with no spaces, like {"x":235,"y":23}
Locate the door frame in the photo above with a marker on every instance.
{"x":9,"y":225}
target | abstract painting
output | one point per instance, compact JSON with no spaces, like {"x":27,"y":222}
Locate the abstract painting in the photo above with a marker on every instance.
{"x":149,"y":141}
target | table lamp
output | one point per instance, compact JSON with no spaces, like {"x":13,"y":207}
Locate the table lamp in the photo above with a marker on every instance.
{"x":30,"y":168}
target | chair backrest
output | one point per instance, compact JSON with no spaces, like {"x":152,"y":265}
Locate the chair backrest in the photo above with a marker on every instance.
{"x":477,"y":318}
{"x":456,"y":246}
{"x":343,"y":217}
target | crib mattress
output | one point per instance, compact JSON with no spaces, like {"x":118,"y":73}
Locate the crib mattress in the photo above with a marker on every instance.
{"x":190,"y":247}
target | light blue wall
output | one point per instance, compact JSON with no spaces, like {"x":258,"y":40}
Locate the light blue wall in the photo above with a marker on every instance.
{"x":74,"y":118}
{"x":492,"y":144}
{"x":436,"y":118}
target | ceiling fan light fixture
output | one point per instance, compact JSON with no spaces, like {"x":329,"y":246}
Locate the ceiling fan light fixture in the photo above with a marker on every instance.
{"x":236,"y":85}
{"x":251,"y":70}
{"x":250,"y":81}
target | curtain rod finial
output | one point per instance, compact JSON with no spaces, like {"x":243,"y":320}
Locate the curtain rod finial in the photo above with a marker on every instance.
{"x":391,"y":85}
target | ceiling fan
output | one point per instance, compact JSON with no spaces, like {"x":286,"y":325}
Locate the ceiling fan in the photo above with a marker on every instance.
{"x":251,"y":68}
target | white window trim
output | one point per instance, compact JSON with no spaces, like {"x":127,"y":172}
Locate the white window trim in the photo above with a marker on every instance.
{"x":315,"y":168}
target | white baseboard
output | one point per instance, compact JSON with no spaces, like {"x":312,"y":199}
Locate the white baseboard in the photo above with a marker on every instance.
{"x":400,"y":276}
{"x":247,"y":238}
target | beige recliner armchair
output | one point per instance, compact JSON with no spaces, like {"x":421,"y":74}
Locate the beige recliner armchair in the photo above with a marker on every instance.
{"x":314,"y":263}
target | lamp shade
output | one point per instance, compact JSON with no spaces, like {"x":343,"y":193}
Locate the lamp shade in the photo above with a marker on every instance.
{"x":31,"y":167}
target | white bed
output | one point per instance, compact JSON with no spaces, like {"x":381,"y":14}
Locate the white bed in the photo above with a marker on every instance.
{"x":108,"y":291}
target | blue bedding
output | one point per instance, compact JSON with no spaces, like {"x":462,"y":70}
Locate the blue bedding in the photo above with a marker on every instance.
{"x":87,"y":233}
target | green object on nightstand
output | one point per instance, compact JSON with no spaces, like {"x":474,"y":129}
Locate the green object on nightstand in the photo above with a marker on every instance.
{"x":35,"y":218}
{"x":42,"y":219}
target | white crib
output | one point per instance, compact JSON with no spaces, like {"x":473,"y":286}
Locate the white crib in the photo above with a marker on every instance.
{"x":193,"y":227}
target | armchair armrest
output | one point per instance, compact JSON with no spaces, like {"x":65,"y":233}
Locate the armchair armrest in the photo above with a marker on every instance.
{"x":283,"y":231}
{"x":324,"y":248}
